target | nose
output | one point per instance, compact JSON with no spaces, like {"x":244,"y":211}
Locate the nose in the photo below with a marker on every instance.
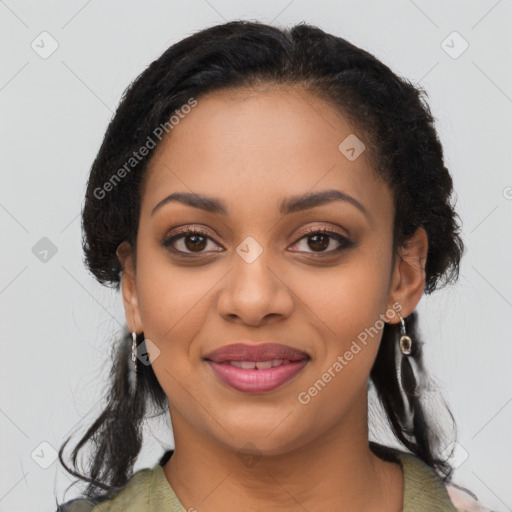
{"x":255,"y":292}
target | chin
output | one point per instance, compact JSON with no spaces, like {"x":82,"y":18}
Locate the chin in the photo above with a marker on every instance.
{"x":261,"y":444}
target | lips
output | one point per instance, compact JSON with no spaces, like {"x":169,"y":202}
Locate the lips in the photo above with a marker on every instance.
{"x":256,"y":368}
{"x":255,"y":353}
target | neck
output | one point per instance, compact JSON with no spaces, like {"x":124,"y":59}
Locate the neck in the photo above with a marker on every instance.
{"x":336,"y":471}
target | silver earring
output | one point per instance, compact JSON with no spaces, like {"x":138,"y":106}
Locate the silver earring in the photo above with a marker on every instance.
{"x":132,"y":372}
{"x":407,"y":376}
{"x":134,"y":350}
{"x":405,"y":341}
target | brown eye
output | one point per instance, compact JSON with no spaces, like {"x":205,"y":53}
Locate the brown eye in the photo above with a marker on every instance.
{"x":195,"y":242}
{"x":188,"y":241}
{"x":319,"y":241}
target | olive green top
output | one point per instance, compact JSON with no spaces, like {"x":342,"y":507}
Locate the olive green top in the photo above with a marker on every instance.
{"x":149,"y":491}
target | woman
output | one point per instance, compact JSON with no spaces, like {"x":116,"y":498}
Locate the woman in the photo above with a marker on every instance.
{"x":273,"y":204}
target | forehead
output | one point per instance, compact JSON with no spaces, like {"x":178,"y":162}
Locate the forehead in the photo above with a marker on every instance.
{"x":251,"y":147}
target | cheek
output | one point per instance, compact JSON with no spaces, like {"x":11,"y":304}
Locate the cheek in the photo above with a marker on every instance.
{"x":346,"y":298}
{"x":346,"y":305}
{"x":173,"y":301}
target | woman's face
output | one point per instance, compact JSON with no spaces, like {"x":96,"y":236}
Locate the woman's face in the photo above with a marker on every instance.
{"x":253,"y":275}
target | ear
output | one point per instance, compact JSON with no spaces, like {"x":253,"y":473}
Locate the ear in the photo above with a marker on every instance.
{"x":124,"y":254}
{"x":408,"y":280}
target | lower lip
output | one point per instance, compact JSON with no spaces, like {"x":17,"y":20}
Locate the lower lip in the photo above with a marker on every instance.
{"x":254,"y":380}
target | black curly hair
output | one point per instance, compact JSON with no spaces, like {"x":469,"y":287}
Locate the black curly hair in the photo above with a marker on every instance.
{"x":398,"y":130}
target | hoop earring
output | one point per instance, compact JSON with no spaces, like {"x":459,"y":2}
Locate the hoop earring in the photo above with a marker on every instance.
{"x":405,"y":341}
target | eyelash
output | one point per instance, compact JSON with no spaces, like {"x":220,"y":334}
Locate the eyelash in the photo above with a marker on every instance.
{"x":344,"y":242}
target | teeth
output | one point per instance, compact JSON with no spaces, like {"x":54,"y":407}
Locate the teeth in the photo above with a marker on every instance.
{"x":261,"y":365}
{"x":264,"y":365}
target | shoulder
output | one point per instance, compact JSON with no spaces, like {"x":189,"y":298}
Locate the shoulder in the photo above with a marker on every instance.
{"x":460,"y":498}
{"x":135,"y":491}
{"x":423,"y":487}
{"x":464,"y":500}
{"x":77,"y":505}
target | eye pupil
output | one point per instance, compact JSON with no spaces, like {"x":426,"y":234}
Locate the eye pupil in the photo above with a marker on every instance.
{"x":195,"y":245}
{"x":319,"y":245}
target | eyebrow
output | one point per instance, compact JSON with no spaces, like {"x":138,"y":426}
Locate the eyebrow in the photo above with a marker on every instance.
{"x":288,"y":205}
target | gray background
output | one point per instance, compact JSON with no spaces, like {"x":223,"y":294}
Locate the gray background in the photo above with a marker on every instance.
{"x":58,"y":323}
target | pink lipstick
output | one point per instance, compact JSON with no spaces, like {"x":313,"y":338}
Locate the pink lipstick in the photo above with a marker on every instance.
{"x":256,"y":368}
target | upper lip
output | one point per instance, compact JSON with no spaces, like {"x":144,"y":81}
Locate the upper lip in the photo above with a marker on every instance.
{"x":259,"y":352}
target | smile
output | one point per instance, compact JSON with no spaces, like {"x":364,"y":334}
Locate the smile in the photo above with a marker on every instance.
{"x":257,"y":376}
